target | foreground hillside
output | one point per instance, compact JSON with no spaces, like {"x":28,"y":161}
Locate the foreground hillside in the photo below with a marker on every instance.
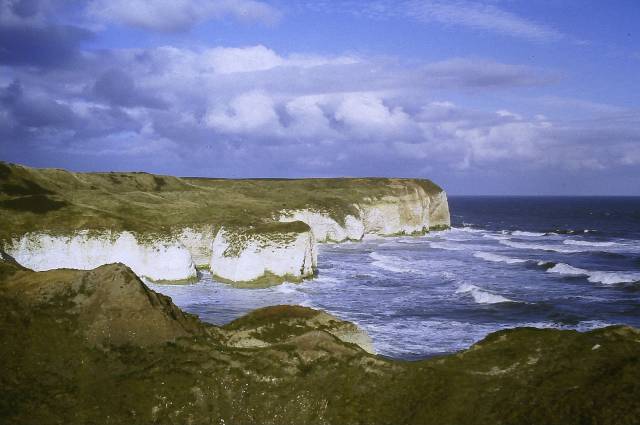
{"x":99,"y":347}
{"x":244,"y":231}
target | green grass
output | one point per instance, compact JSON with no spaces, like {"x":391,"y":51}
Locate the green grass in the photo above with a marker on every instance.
{"x":61,"y":202}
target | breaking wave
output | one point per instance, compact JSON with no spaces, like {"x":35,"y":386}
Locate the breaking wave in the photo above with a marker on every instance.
{"x":527,"y":234}
{"x":604,"y":277}
{"x":482,"y":296}
{"x":499,"y":237}
{"x":588,"y":243}
{"x":467,"y":229}
{"x":562,"y":268}
{"x":391,"y":263}
{"x":497,"y":258}
{"x":554,"y":248}
{"x":447,"y":246}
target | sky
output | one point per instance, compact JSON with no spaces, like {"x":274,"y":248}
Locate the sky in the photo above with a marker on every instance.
{"x":493,"y":97}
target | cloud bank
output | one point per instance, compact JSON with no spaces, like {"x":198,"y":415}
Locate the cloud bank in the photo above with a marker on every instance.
{"x":253,"y":111}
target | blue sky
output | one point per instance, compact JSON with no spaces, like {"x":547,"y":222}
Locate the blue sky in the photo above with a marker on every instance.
{"x":484,"y":97}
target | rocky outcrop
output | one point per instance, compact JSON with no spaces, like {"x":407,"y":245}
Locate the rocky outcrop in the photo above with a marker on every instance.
{"x":156,"y":259}
{"x":111,"y":304}
{"x":255,"y":256}
{"x":278,"y":324}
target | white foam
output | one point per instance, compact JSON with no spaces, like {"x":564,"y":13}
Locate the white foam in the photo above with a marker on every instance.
{"x":554,"y":248}
{"x":612,"y":278}
{"x":287,"y":288}
{"x":500,"y":237}
{"x":562,"y":268}
{"x":604,"y":277}
{"x":447,"y":246}
{"x":467,"y":229}
{"x":497,"y":258}
{"x":392,"y":264}
{"x":527,"y":234}
{"x":588,"y":243}
{"x":482,"y":296}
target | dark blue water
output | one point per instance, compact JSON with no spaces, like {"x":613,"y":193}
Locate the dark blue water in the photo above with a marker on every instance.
{"x":548,"y":262}
{"x":601,"y":217}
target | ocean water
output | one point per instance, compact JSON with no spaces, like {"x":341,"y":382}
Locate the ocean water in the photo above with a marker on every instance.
{"x":571,"y":263}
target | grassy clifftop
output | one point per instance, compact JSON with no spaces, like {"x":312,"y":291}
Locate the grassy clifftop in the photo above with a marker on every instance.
{"x":98,"y":346}
{"x":61,"y":201}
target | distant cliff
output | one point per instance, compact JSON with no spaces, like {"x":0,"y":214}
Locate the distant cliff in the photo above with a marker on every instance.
{"x":163,"y":227}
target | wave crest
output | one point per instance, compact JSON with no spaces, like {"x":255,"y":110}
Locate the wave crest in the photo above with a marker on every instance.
{"x":390,"y":263}
{"x":482,"y":296}
{"x":554,"y":248}
{"x":527,"y":234}
{"x":604,"y":277}
{"x":488,"y":256}
{"x":587,"y":243}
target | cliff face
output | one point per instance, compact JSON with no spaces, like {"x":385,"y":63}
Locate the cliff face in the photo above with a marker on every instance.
{"x":325,"y":228}
{"x":163,"y":227}
{"x":408,"y":210}
{"x":99,"y":346}
{"x":253,"y":257}
{"x":198,"y":241}
{"x":439,"y":217}
{"x":158,"y":260}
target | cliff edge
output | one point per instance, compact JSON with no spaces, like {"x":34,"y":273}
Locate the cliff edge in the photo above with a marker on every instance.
{"x":165,"y":227}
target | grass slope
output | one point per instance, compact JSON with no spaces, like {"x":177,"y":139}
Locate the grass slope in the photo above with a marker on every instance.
{"x":59,"y":367}
{"x":61,"y":202}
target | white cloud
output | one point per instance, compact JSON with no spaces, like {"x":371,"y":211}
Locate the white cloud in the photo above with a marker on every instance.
{"x":178,"y":15}
{"x":323,"y":112}
{"x":481,"y":16}
{"x":225,"y":60}
{"x":508,"y":114}
{"x":474,"y":14}
{"x":366,"y":115}
{"x":309,"y":119}
{"x":255,"y":95}
{"x":248,"y":59}
{"x":251,"y":112}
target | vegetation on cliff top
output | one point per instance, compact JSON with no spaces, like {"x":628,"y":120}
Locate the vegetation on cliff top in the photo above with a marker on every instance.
{"x":72,"y":353}
{"x":61,"y":202}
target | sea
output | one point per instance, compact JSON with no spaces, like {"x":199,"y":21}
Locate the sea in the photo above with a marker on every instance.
{"x":546,"y":262}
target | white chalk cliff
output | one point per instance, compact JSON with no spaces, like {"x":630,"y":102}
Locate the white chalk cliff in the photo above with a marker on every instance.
{"x":198,"y":241}
{"x":243,"y":255}
{"x":157,"y":260}
{"x":414,"y":212}
{"x":325,"y":228}
{"x":240,"y":257}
